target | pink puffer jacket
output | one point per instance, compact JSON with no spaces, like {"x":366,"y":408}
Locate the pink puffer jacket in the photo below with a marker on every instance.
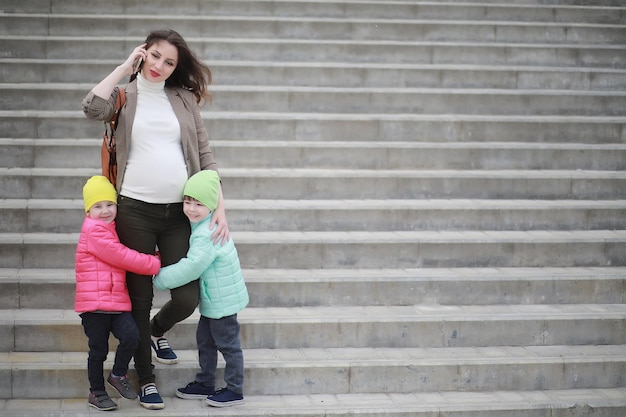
{"x":101,"y":265}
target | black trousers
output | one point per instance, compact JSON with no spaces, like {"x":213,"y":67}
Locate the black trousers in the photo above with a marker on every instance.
{"x":144,"y":227}
{"x":97,"y":327}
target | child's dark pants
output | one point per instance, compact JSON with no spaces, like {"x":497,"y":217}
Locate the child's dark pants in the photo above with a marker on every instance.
{"x":221,"y":335}
{"x":97,"y":327}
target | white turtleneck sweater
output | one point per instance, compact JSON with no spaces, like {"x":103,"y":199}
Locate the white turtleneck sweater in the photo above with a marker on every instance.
{"x":155,"y":171}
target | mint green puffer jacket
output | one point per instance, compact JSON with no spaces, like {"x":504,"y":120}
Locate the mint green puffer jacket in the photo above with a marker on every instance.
{"x":223,"y":290}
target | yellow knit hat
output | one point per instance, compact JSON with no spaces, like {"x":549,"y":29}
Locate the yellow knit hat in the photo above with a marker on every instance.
{"x":98,"y":188}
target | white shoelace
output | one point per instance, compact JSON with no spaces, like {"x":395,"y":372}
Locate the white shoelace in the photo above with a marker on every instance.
{"x":163,"y":344}
{"x":150,"y":389}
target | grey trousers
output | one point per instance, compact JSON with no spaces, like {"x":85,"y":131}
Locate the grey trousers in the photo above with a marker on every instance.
{"x":221,"y":335}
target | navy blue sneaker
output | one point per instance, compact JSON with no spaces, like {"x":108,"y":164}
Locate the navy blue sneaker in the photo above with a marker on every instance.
{"x":194,"y":391}
{"x":149,"y":397}
{"x":224,"y":398}
{"x":164,"y":352}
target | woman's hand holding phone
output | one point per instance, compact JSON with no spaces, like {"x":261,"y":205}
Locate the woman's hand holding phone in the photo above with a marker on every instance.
{"x":136,"y":58}
{"x":137,"y":64}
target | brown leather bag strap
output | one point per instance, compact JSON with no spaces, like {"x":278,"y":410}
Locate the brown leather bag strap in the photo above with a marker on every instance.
{"x":108,"y":152}
{"x":119,"y":103}
{"x":109,"y":127}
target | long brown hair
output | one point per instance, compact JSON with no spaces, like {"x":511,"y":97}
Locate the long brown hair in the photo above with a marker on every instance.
{"x":190,"y":72}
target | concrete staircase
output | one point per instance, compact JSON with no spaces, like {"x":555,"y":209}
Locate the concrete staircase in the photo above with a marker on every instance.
{"x":429,"y":200}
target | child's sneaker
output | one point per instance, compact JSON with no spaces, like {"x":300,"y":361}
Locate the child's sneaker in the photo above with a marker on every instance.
{"x":194,"y":391}
{"x":164,"y":352}
{"x":149,"y":397}
{"x":224,"y":398}
{"x":122,"y":385}
{"x":100,"y":400}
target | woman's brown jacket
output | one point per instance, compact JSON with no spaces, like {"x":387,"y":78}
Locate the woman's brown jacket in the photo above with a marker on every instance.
{"x":194,"y":137}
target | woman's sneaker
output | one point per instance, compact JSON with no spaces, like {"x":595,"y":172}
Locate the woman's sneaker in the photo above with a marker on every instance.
{"x":164,"y":352}
{"x":224,"y":398}
{"x":122,"y":385}
{"x":149,"y":397}
{"x":194,"y":391}
{"x":100,"y":400}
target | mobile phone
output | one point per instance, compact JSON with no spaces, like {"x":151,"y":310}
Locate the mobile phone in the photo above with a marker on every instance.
{"x":137,"y":64}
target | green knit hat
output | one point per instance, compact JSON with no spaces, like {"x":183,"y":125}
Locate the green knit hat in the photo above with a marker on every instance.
{"x":204,"y":186}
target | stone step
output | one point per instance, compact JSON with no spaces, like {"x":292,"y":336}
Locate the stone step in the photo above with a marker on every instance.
{"x":419,"y":326}
{"x":337,"y":74}
{"x":85,"y":153}
{"x":535,"y":3}
{"x":25,"y":96}
{"x":315,"y":50}
{"x":66,"y":215}
{"x":346,"y":184}
{"x":348,"y":371}
{"x":54,"y":288}
{"x":298,"y":27}
{"x":399,"y":249}
{"x":346,"y":127}
{"x":603,"y":11}
{"x":608,"y":402}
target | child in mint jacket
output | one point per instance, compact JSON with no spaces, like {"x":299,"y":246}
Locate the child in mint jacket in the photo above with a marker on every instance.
{"x":223,"y":294}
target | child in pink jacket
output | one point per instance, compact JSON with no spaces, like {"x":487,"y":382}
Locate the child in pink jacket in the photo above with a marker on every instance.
{"x":102,"y":299}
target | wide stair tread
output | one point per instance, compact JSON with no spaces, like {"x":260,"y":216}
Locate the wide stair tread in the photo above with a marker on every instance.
{"x":342,"y":74}
{"x":352,"y":370}
{"x":601,"y":11}
{"x":54,"y":288}
{"x":359,"y":326}
{"x":455,"y":404}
